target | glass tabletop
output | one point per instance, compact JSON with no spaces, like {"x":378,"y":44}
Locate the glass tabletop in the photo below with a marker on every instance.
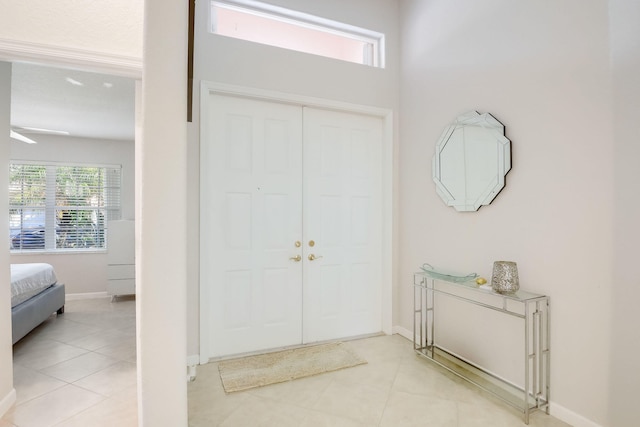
{"x":519,"y":295}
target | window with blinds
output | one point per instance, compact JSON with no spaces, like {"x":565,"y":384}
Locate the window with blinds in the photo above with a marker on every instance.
{"x":54,"y":207}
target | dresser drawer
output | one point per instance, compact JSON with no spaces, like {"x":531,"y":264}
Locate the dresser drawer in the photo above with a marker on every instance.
{"x":121,"y":287}
{"x":121,"y":271}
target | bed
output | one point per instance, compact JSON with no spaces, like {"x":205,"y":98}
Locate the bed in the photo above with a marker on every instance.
{"x":35,"y":295}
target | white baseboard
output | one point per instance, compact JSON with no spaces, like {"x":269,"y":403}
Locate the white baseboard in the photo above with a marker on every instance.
{"x":556,"y":410}
{"x":86,"y":295}
{"x":193,"y":360}
{"x":403,"y":332}
{"x":7,"y":402}
{"x":191,"y":373}
{"x":570,"y":417}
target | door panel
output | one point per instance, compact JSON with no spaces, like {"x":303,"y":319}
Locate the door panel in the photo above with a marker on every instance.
{"x":342,"y":205}
{"x":251,"y":216}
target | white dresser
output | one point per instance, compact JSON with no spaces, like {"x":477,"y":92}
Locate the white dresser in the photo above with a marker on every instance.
{"x":121,"y":274}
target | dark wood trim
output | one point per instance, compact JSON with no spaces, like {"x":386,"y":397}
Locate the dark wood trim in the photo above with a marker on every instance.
{"x":192,"y":6}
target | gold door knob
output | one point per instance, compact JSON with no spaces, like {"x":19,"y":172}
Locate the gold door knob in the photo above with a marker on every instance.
{"x":313,"y":257}
{"x":296,"y":258}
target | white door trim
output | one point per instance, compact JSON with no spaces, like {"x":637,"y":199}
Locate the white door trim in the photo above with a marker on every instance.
{"x":69,"y":57}
{"x":207,"y":88}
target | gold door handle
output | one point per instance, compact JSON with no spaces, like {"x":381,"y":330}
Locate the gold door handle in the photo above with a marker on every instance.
{"x":296,"y":258}
{"x":313,"y":257}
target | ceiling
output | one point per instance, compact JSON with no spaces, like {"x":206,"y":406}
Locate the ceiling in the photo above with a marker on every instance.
{"x":84,"y":104}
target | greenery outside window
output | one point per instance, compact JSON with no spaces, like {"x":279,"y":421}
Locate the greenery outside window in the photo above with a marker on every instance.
{"x":56,"y":207}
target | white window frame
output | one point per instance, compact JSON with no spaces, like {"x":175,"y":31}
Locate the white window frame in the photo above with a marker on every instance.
{"x":114,"y":210}
{"x":374,"y":58}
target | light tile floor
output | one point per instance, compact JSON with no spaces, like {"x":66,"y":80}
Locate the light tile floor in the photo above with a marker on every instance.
{"x":395,"y":388}
{"x":78,"y":370}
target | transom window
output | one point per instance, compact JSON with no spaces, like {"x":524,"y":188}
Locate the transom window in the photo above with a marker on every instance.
{"x":54,"y":207}
{"x":276,"y":26}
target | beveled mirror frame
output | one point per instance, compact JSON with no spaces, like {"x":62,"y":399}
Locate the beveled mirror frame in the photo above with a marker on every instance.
{"x":471,"y":160}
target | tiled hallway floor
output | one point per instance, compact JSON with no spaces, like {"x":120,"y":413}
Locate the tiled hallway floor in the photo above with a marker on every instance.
{"x":396,"y":388}
{"x":78,"y":370}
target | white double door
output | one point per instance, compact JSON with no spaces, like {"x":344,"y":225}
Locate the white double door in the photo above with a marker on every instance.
{"x":290,"y":225}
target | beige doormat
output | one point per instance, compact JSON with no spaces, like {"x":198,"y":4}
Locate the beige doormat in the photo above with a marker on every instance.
{"x":271,"y":368}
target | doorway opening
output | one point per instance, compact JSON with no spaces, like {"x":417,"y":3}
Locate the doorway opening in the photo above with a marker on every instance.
{"x":85,"y":119}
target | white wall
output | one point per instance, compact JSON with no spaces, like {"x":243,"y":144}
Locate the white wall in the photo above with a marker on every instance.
{"x":542,"y":69}
{"x":236,"y":62}
{"x":624,"y":345}
{"x":81,"y":273}
{"x":161,"y":239}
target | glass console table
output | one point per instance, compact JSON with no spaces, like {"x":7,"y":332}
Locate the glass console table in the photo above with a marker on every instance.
{"x":532,"y":308}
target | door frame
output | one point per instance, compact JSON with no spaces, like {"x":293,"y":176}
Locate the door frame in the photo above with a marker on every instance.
{"x":59,"y":56}
{"x":209,"y":87}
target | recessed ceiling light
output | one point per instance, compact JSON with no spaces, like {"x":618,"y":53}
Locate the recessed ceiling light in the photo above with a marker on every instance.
{"x":107,"y":85}
{"x":74,"y":82}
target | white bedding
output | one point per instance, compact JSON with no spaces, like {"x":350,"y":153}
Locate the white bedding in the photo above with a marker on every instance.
{"x":30,"y":279}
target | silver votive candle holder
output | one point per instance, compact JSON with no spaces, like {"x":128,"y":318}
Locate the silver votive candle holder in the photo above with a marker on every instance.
{"x":505,"y":277}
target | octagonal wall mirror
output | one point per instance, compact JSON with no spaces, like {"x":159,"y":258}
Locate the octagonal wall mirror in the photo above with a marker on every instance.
{"x":471,"y":160}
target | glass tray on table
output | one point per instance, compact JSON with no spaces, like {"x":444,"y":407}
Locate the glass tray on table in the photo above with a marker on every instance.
{"x":431,"y":272}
